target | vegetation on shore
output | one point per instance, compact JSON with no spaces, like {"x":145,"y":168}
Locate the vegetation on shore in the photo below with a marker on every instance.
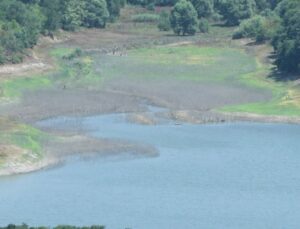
{"x":22,"y":21}
{"x":25,"y":226}
{"x":27,"y":139}
{"x":217,"y":60}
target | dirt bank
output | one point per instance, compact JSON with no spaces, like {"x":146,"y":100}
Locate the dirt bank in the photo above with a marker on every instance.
{"x":57,"y":150}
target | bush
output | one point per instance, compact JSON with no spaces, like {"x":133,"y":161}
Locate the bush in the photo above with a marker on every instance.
{"x":16,"y":58}
{"x":2,"y":56}
{"x":164,"y":21}
{"x":237,"y":34}
{"x":76,"y":53}
{"x":145,"y":18}
{"x":151,"y":6}
{"x":260,"y":28}
{"x":204,"y":25}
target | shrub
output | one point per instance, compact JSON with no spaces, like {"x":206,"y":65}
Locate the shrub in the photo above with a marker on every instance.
{"x":204,"y":25}
{"x":164,"y":21}
{"x":2,"y":56}
{"x":145,"y":18}
{"x":151,"y":6}
{"x":16,"y":58}
{"x":76,"y":53}
{"x":260,"y":28}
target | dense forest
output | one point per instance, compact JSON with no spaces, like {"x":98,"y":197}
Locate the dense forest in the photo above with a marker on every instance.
{"x":276,"y":21}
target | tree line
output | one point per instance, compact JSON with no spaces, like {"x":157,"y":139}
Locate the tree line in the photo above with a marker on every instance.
{"x":25,"y":226}
{"x":277,"y":21}
{"x":22,"y":21}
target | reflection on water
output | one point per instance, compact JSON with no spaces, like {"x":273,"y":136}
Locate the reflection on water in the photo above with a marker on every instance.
{"x":207,"y":176}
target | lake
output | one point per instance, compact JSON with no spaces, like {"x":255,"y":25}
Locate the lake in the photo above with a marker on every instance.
{"x":214,"y":176}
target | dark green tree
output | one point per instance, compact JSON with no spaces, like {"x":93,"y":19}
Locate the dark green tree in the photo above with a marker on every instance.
{"x":95,"y":13}
{"x":184,"y":18}
{"x":114,"y":7}
{"x":73,"y":13}
{"x":234,"y":11}
{"x":204,"y":8}
{"x":262,"y":5}
{"x":52,"y":11}
{"x":286,"y":42}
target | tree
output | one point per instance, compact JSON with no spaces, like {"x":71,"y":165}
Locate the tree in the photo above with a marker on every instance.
{"x":204,"y":8}
{"x":184,"y":18}
{"x":286,"y":42}
{"x":95,"y":13}
{"x":273,"y":3}
{"x":262,"y":5}
{"x":164,"y":21}
{"x":73,"y":11}
{"x":233,"y":11}
{"x":53,"y":14}
{"x":22,"y":24}
{"x":114,"y":7}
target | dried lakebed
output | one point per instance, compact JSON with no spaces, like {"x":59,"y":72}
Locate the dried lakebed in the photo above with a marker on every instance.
{"x":233,"y":175}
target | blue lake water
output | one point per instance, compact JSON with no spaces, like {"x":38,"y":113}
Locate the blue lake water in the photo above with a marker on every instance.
{"x":218,"y":176}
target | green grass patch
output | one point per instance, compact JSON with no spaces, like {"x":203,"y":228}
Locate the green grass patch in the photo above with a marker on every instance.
{"x":73,"y":70}
{"x":15,"y":87}
{"x":23,"y":136}
{"x":77,"y":71}
{"x":208,"y":64}
{"x":28,"y":138}
{"x":145,"y":17}
{"x":268,"y":108}
{"x":285,"y":101}
{"x":61,"y":52}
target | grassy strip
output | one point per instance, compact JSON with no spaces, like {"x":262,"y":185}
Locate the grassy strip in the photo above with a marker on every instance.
{"x":202,"y":64}
{"x":72,"y":70}
{"x":15,"y":87}
{"x":285,"y":101}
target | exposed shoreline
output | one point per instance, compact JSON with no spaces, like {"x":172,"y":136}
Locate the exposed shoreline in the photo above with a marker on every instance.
{"x":58,"y":151}
{"x":89,"y":147}
{"x":185,"y":102}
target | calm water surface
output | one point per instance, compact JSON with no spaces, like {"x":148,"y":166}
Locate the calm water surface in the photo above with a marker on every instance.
{"x":219,"y":176}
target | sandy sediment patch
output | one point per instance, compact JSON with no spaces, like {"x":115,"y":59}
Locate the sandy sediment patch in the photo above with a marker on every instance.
{"x":85,"y":145}
{"x":144,"y":118}
{"x":57,"y":150}
{"x":39,"y":105}
{"x":244,"y":116}
{"x":15,"y":160}
{"x":32,"y":65}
